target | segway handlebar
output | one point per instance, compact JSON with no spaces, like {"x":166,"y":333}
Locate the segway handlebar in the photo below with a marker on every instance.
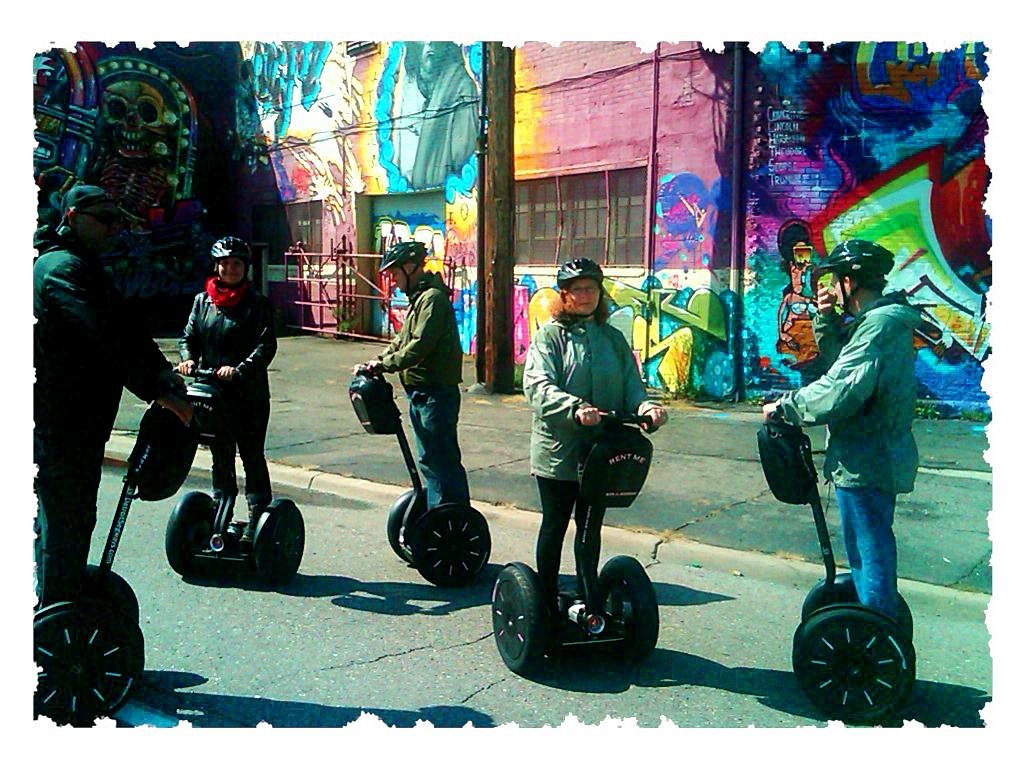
{"x":614,"y":418}
{"x":373,"y":373}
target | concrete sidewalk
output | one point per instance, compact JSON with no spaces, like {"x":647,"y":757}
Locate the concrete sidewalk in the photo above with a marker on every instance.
{"x":705,"y":484}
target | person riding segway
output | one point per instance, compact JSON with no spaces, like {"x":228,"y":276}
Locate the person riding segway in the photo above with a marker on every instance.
{"x":579,"y":371}
{"x":230,"y":333}
{"x":867,"y":400}
{"x":432,"y":526}
{"x":86,"y":350}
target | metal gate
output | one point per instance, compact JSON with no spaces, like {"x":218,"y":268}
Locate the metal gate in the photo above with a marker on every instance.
{"x":342,"y":293}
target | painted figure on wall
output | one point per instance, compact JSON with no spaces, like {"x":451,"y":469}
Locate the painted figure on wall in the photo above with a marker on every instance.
{"x":145,"y":138}
{"x":448,"y":129}
{"x":797,"y":307}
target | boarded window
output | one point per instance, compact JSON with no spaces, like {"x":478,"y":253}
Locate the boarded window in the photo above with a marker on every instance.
{"x":598,"y":216}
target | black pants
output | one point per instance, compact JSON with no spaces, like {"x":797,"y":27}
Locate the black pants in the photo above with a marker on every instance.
{"x":66,"y":485}
{"x":557,"y":500}
{"x":247,"y":429}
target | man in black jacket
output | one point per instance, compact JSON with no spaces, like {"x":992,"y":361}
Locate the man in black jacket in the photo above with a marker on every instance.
{"x":86,"y":350}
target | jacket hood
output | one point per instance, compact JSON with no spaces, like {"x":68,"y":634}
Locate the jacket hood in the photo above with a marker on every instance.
{"x":895,"y":305}
{"x":429,"y":280}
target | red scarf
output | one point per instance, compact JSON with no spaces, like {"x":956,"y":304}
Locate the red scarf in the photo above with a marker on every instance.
{"x":223,"y":297}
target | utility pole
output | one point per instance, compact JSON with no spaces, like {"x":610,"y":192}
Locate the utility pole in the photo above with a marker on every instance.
{"x":499,"y":220}
{"x":481,"y":262}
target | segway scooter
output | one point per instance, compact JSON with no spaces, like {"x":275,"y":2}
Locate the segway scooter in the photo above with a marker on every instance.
{"x":627,"y":618}
{"x":854,"y":663}
{"x":90,"y":651}
{"x":450,"y":544}
{"x":202,"y":537}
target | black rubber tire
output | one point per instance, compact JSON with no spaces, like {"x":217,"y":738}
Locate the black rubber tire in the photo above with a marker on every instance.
{"x":111,"y":588}
{"x":450,"y":544}
{"x":631,"y":604}
{"x":853,"y":663}
{"x":395,"y":517}
{"x":521,"y":622}
{"x":279,"y":542}
{"x":188,"y":530}
{"x":90,"y":661}
{"x":843,"y":591}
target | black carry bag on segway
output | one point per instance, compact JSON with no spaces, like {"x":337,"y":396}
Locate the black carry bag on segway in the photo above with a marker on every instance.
{"x":627,"y":622}
{"x":854,"y":663}
{"x":450,"y":544}
{"x":90,"y":651}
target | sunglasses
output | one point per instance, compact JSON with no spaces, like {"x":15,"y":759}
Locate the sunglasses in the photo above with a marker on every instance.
{"x":105,"y":217}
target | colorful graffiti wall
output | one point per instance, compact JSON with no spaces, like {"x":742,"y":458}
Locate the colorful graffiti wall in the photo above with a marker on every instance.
{"x":882,"y":141}
{"x":148,"y":126}
{"x":401,"y":119}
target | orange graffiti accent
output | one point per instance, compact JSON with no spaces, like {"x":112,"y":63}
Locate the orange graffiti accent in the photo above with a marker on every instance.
{"x":528,"y":113}
{"x":541,"y":309}
{"x":900,"y":72}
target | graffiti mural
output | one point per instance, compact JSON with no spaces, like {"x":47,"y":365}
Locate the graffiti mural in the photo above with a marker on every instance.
{"x":129,"y":121}
{"x":306,"y":101}
{"x":427,"y":116}
{"x":883,"y":141}
{"x":687,"y":221}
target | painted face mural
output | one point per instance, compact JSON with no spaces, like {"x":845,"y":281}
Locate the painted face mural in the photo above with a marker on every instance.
{"x":146,"y":136}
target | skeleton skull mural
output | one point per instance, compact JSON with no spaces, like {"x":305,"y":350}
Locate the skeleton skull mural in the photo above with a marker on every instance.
{"x":146,"y":136}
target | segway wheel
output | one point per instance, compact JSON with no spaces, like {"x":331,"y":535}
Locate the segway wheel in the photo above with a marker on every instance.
{"x":843,"y":591}
{"x":631,"y":605}
{"x":398,"y":542}
{"x":519,"y":618}
{"x":854,"y":664}
{"x":188,"y":530}
{"x":89,"y":661}
{"x":111,"y":588}
{"x":279,"y":542}
{"x":450,"y":544}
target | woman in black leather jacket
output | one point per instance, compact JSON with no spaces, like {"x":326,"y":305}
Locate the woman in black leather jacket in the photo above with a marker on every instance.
{"x":231,"y":330}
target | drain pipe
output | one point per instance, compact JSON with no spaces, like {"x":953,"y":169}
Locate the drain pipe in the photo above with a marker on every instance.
{"x":738,"y":219}
{"x":652,"y":192}
{"x":481,"y":181}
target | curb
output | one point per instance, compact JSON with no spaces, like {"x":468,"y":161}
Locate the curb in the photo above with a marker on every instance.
{"x":650,"y":547}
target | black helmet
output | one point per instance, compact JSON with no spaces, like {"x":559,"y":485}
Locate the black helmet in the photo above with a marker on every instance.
{"x":408,"y":252}
{"x":228,"y":247}
{"x":859,"y":258}
{"x":577,"y":268}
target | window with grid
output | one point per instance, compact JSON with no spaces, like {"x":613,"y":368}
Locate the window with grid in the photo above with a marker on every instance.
{"x":304,"y":223}
{"x":597,"y":216}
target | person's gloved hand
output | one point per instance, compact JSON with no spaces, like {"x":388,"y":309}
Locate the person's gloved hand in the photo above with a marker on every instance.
{"x":655,"y":413}
{"x":168,"y":380}
{"x":178,"y":406}
{"x":370,"y":367}
{"x":587,"y":415}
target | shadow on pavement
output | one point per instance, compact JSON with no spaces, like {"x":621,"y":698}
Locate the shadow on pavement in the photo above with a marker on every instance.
{"x":396,"y":598}
{"x":162,"y":690}
{"x":932,"y":704}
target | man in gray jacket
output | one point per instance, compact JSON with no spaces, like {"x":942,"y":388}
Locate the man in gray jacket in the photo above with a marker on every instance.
{"x":867,"y":399}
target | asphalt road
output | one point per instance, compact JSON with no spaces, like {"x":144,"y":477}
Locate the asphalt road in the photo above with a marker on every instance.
{"x":359,"y":631}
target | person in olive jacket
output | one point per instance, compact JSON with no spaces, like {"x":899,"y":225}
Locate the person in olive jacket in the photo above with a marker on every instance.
{"x":867,"y":398}
{"x":427,"y":355}
{"x":577,"y":367}
{"x":231,"y":330}
{"x":86,"y":350}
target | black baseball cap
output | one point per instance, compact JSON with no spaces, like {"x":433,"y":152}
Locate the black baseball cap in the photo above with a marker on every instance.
{"x":82,"y":197}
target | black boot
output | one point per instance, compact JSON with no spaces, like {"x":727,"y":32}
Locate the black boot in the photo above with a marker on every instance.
{"x":256,"y":509}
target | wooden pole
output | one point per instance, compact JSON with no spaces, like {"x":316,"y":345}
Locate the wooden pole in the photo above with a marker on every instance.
{"x":499,"y":219}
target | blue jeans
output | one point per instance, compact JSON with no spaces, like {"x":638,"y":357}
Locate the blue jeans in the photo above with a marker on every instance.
{"x":434,"y":413}
{"x":866,"y":515}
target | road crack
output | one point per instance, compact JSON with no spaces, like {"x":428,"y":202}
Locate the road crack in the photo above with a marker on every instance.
{"x":483,"y":689}
{"x":406,"y":652}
